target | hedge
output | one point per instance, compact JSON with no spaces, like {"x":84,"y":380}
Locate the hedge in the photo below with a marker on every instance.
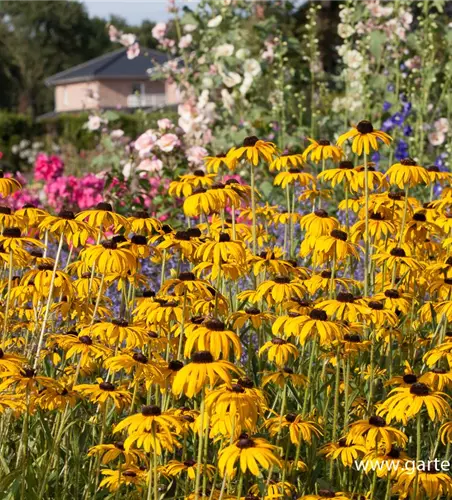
{"x":69,"y":128}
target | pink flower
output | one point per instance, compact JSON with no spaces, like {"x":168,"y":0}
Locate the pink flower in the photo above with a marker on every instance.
{"x":165,"y":124}
{"x":127,"y":39}
{"x":113,"y":33}
{"x":145,"y":143}
{"x":48,"y":167}
{"x":436,"y":138}
{"x":154,"y":166}
{"x":159,"y":31}
{"x":195,"y":155}
{"x":133,"y":51}
{"x":168,"y":142}
{"x":185,"y":41}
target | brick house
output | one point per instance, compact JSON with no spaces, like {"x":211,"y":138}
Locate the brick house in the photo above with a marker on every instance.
{"x":112,"y":81}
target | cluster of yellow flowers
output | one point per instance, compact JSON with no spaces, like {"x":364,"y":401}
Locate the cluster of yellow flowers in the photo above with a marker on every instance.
{"x":248,"y":370}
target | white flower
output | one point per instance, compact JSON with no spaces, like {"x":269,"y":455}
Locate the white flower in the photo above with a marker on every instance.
{"x":133,"y":51}
{"x":345,"y":30}
{"x":95,"y":122}
{"x":353,"y":59}
{"x":127,"y":169}
{"x":242,"y":54}
{"x":251,"y":67}
{"x":168,"y":142}
{"x":406,"y":18}
{"x":442,"y":125}
{"x":185,"y":41}
{"x":216,"y":21}
{"x":165,"y":124}
{"x":116,"y":134}
{"x":228,"y":100}
{"x":246,"y":85}
{"x":231,"y":79}
{"x":113,"y":33}
{"x":436,"y":138}
{"x":189,"y":28}
{"x":344,"y":13}
{"x":225,"y":50}
{"x":148,"y":165}
{"x":207,"y":82}
{"x":127,"y":39}
{"x":159,"y":31}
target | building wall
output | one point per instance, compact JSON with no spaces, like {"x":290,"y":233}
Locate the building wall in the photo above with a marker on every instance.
{"x":75,"y":96}
{"x":111,"y":94}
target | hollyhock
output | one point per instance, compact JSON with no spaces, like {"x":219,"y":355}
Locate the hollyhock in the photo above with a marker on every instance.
{"x":214,"y":22}
{"x":159,"y":31}
{"x":185,"y":41}
{"x":113,"y":33}
{"x":47,"y":167}
{"x":133,"y":51}
{"x":195,"y":155}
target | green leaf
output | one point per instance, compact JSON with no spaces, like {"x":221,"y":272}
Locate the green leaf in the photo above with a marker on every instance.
{"x":377,"y":40}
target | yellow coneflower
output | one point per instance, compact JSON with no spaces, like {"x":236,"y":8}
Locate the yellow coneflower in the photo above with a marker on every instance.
{"x":347,"y":453}
{"x":103,"y":215}
{"x":192,"y":378}
{"x":254,"y":149}
{"x":250,"y":452}
{"x":103,"y":392}
{"x":108,"y":257}
{"x":279,"y":351}
{"x":364,"y":138}
{"x":286,"y":161}
{"x":299,"y":429}
{"x":407,"y":173}
{"x":293,"y":176}
{"x":214,"y":163}
{"x":322,"y":150}
{"x":8,"y":185}
{"x":188,"y":183}
{"x":376,"y":432}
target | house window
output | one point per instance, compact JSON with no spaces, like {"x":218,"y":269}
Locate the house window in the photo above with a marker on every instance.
{"x":138,"y":88}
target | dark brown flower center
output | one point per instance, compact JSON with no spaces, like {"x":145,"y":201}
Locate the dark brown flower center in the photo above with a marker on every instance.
{"x":120,"y":322}
{"x":282,"y":280}
{"x":327,"y":494}
{"x":323,"y":142}
{"x":250,"y":141}
{"x":84,"y":339}
{"x":278,"y":341}
{"x":107,"y":386}
{"x":365,"y":127}
{"x":238,"y":389}
{"x":419,"y":389}
{"x":140,"y":357}
{"x":151,"y":411}
{"x":119,"y":445}
{"x":244,"y":441}
{"x":67,"y":214}
{"x":392,"y":294}
{"x":175,"y":365}
{"x":398,"y":252}
{"x":104,"y":206}
{"x":376,"y":216}
{"x":109,"y":245}
{"x":376,"y":305}
{"x":202,"y":357}
{"x":189,"y":463}
{"x":408,"y":162}
{"x":433,"y":168}
{"x":290,"y":417}
{"x":377,"y":421}
{"x":419,"y":217}
{"x":187,"y":276}
{"x":410,"y":378}
{"x":12,"y":232}
{"x":345,"y":297}
{"x":199,"y":173}
{"x":224,"y":237}
{"x":352,"y":337}
{"x":245,"y":382}
{"x":318,"y":314}
{"x":321,"y":213}
{"x":253,"y":311}
{"x":138,"y":239}
{"x":214,"y":324}
{"x":339,"y":235}
{"x":5,"y":210}
{"x":346,"y":165}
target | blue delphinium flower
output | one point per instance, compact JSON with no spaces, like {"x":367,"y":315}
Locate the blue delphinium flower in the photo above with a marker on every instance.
{"x":401,"y":151}
{"x":387,"y":106}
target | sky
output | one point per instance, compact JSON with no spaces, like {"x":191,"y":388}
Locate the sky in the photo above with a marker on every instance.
{"x":133,"y":11}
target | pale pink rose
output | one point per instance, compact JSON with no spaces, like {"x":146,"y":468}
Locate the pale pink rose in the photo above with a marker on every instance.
{"x":195,"y":155}
{"x":153,"y":166}
{"x":436,"y":138}
{"x":159,"y":31}
{"x":133,"y":51}
{"x":168,"y":142}
{"x":113,"y":33}
{"x":442,"y":125}
{"x":185,"y":41}
{"x":145,"y":143}
{"x":165,"y":124}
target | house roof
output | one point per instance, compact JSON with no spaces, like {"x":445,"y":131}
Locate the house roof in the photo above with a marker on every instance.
{"x":113,"y":65}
